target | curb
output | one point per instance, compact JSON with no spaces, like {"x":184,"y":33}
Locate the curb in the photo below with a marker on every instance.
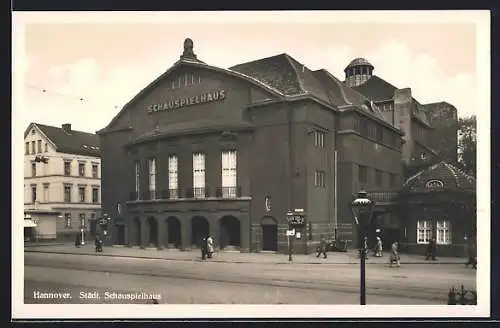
{"x":43,"y":245}
{"x":228,"y":261}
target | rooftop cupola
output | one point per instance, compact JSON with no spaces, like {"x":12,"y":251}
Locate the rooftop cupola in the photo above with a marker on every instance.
{"x":358,"y":72}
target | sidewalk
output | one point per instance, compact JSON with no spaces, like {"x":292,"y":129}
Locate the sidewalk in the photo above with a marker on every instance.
{"x":233,"y":256}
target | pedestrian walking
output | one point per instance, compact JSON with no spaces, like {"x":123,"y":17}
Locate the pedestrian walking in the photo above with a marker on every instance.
{"x":394,"y":255}
{"x":78,"y":240}
{"x":472,"y":256}
{"x":431,"y":250}
{"x":98,"y":244}
{"x":321,"y":248}
{"x":378,"y":247}
{"x":210,"y":246}
{"x":203,"y":247}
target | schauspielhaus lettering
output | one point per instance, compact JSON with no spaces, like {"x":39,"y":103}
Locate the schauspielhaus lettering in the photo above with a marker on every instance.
{"x":172,"y":104}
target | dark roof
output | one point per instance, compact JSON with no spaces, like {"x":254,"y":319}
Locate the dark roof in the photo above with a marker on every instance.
{"x":292,"y":78}
{"x":376,"y":89}
{"x":275,"y":71}
{"x":358,"y":62}
{"x":451,"y":176}
{"x":74,"y":142}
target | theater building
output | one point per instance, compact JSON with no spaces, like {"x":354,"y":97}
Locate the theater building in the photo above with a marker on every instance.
{"x":227,"y":152}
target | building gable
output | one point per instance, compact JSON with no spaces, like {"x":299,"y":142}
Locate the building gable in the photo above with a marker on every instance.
{"x":186,"y":85}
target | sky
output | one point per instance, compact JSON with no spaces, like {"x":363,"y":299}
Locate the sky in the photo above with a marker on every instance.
{"x":81,"y":70}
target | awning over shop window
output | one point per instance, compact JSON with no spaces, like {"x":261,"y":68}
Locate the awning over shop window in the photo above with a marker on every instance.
{"x":28,"y":223}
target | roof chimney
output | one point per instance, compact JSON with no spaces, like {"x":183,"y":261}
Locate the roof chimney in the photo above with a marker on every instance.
{"x":66,"y":127}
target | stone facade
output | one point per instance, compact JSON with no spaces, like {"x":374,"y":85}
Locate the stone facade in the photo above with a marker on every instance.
{"x":291,"y":147}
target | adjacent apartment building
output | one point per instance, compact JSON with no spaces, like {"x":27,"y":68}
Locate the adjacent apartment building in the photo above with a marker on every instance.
{"x":62,"y":182}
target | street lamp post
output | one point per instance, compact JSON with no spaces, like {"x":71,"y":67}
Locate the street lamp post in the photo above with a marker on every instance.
{"x":362,"y":208}
{"x":289,"y":218}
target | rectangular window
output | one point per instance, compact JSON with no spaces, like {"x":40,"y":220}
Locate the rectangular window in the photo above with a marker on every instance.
{"x":46,"y":148}
{"x":95,"y":195}
{"x":33,"y":147}
{"x":424,"y":231}
{"x":319,"y":139}
{"x":82,"y":220}
{"x":67,"y":220}
{"x":173,"y":185}
{"x":67,"y":194}
{"x":81,"y":194}
{"x":362,"y":174}
{"x":137,"y":179}
{"x":33,"y":193}
{"x":39,"y":146}
{"x":319,"y":179}
{"x":199,"y":175}
{"x":81,"y":169}
{"x":67,"y":168}
{"x":443,"y":232}
{"x":152,"y":178}
{"x":27,"y":148}
{"x":229,"y":159}
{"x":95,"y":171}
{"x":46,"y":195}
{"x":378,"y":177}
{"x":33,"y":169}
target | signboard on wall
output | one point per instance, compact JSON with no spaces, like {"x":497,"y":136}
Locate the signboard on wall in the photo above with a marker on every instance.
{"x":175,"y":103}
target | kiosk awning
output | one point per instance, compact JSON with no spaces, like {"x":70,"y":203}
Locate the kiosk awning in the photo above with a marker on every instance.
{"x":28,"y":223}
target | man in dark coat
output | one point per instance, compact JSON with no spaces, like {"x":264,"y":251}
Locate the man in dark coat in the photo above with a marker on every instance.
{"x":322,"y":247}
{"x":431,"y":250}
{"x":472,"y":256}
{"x":78,"y":240}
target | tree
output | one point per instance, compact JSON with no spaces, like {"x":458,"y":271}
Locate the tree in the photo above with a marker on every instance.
{"x":467,"y":144}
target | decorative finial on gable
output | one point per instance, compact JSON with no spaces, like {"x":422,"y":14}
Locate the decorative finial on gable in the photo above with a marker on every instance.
{"x":188,"y":50}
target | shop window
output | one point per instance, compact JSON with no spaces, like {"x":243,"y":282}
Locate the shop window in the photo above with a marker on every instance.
{"x":443,"y":232}
{"x":424,"y":231}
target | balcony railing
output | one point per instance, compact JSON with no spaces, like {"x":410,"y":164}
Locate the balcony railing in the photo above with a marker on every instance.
{"x":228,"y":192}
{"x":383,"y":196}
{"x":190,"y":193}
{"x":198,"y":192}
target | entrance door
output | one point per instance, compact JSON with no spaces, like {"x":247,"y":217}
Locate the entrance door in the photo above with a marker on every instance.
{"x":270,"y":238}
{"x":120,"y":234}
